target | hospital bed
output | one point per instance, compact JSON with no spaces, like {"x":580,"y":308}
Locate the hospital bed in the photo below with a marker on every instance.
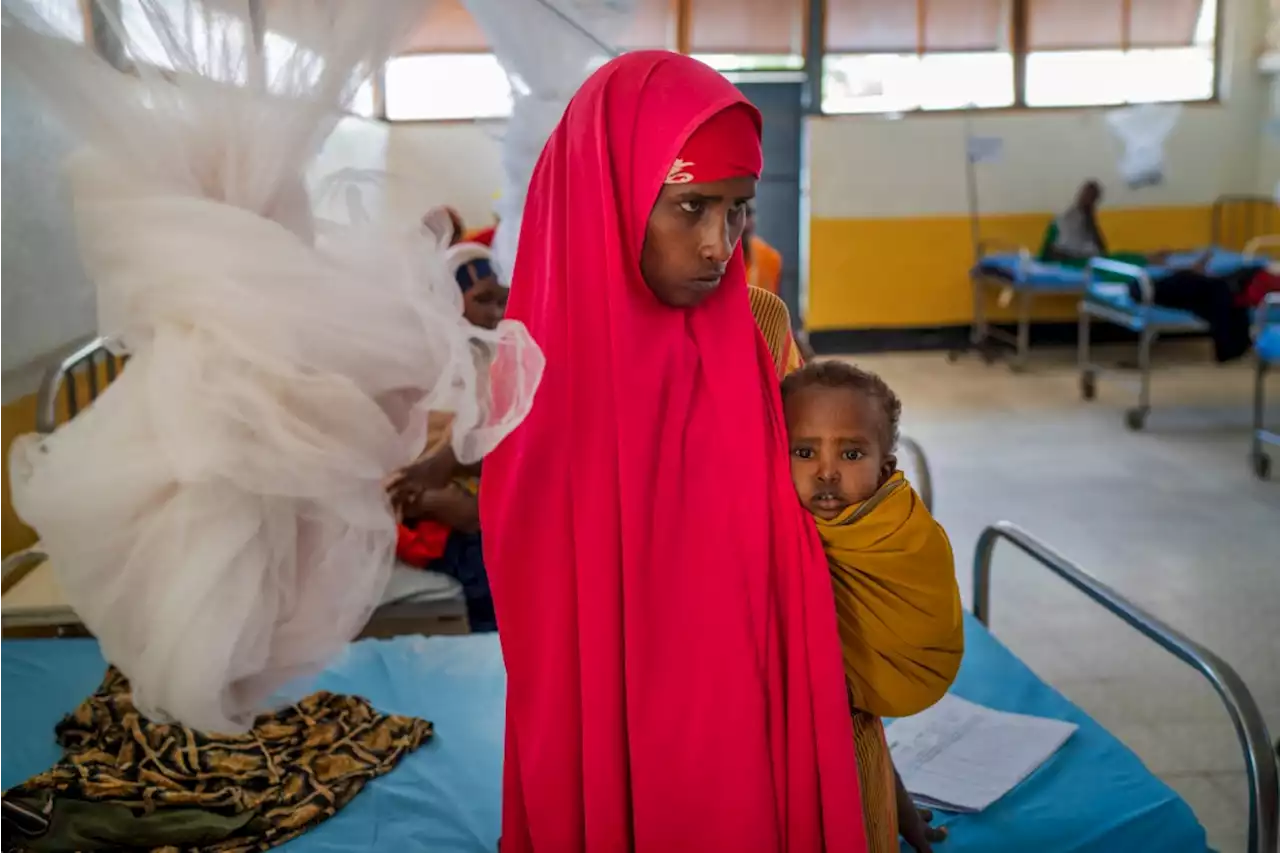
{"x":1107,"y":300}
{"x":1093,"y":796}
{"x":33,"y":605}
{"x":1266,"y":346}
{"x":1015,"y":275}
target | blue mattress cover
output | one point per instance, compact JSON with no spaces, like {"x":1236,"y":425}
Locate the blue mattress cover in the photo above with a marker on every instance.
{"x":1051,"y":276}
{"x":1094,"y":795}
{"x":1268,"y":343}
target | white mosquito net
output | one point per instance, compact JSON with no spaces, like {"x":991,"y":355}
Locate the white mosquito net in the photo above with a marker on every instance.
{"x":217,"y":518}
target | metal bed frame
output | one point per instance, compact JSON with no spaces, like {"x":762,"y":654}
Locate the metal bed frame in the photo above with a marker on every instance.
{"x":82,"y":365}
{"x":1148,"y":332}
{"x":924,"y":477}
{"x":1236,"y":222}
{"x":1251,"y":730}
{"x":1268,"y":314}
{"x":983,"y":334}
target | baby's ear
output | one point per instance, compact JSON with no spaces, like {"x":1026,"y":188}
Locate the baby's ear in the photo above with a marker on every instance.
{"x":889,"y":468}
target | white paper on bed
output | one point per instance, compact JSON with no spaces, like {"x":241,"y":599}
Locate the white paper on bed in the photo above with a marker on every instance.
{"x":218,"y":518}
{"x":547,"y":48}
{"x":958,"y":756}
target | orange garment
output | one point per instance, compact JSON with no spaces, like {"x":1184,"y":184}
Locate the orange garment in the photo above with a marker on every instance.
{"x":765,"y":269}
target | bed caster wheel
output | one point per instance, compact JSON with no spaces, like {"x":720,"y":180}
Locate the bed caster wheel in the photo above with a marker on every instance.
{"x":1262,"y":467}
{"x":1135,"y":419}
{"x":988,"y":356}
{"x":1088,"y":386}
{"x":953,"y":356}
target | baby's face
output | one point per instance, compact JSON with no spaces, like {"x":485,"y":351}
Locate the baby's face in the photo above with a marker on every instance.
{"x":838,"y":457}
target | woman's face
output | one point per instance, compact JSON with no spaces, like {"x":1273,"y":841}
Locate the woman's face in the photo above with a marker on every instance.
{"x":692,"y":232}
{"x":485,"y":303}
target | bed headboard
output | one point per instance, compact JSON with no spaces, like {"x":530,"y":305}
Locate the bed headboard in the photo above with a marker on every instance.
{"x":1237,"y":219}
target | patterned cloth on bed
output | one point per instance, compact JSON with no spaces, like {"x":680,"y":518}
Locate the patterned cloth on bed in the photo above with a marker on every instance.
{"x":125,"y":780}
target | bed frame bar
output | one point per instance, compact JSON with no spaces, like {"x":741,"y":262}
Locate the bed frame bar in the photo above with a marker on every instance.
{"x":83,"y":360}
{"x":1260,"y":764}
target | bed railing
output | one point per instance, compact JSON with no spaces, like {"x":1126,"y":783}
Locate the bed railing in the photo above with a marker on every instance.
{"x":65,"y":377}
{"x":1260,"y":763}
{"x":922,"y":477}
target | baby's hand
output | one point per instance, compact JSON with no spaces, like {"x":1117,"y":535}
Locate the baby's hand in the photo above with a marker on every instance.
{"x":915,"y":827}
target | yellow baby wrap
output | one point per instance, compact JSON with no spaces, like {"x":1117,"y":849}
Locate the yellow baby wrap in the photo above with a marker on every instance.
{"x":897,"y":601}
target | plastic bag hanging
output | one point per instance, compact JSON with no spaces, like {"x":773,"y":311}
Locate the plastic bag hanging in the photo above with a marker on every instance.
{"x":548,"y":48}
{"x":1143,"y":129}
{"x":217,"y":517}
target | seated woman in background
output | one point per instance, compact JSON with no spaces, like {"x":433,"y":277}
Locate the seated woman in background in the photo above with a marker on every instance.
{"x":436,"y":498}
{"x":1074,"y":238}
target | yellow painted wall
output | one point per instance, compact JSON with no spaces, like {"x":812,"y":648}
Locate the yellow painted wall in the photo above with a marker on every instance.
{"x":913,"y":271}
{"x":19,"y":417}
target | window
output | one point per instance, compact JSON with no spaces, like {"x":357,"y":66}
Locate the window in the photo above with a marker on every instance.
{"x":448,"y":71}
{"x":747,"y":35}
{"x":446,"y":86}
{"x":896,"y":56}
{"x":1119,"y":51}
{"x":899,"y":55}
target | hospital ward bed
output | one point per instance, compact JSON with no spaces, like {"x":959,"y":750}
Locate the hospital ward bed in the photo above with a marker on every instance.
{"x":1093,"y":796}
{"x":1015,"y":276}
{"x":33,"y":605}
{"x":1266,"y":347}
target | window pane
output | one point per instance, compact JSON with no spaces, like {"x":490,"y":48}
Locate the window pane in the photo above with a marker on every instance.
{"x":746,"y":27}
{"x":1101,"y":24}
{"x":907,"y":26}
{"x":446,"y":86}
{"x":872,"y":26}
{"x":1097,"y":77}
{"x":880,"y":83}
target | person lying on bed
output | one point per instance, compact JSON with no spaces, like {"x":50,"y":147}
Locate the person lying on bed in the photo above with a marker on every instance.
{"x":1074,"y":238}
{"x":437,"y":499}
{"x":897,"y":602}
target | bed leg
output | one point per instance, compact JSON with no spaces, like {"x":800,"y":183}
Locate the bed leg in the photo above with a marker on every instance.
{"x":1136,"y":418}
{"x":1024,"y":331}
{"x":1258,"y":456}
{"x":1084,"y":357}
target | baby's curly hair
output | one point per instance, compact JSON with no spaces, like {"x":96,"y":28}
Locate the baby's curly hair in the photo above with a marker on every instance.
{"x":837,"y":374}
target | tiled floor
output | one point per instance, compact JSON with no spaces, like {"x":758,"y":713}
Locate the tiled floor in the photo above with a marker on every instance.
{"x":1172,"y":517}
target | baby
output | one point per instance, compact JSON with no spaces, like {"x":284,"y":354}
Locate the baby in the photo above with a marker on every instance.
{"x":897,"y":602}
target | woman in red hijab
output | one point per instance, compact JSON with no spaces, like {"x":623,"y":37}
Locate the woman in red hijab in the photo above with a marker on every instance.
{"x":665,"y":610}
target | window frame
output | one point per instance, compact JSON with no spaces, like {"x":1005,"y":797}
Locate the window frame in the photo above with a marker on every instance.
{"x":1019,"y":24}
{"x":814,"y":55}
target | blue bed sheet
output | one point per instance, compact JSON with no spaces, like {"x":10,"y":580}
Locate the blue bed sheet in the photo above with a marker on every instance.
{"x":1094,"y":796}
{"x":1268,"y":344}
{"x":1050,"y":276}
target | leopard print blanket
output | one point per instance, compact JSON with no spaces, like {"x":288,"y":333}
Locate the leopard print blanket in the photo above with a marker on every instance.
{"x":249,"y":792}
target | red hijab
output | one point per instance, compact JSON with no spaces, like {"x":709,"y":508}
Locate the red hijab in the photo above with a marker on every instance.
{"x":665,"y":610}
